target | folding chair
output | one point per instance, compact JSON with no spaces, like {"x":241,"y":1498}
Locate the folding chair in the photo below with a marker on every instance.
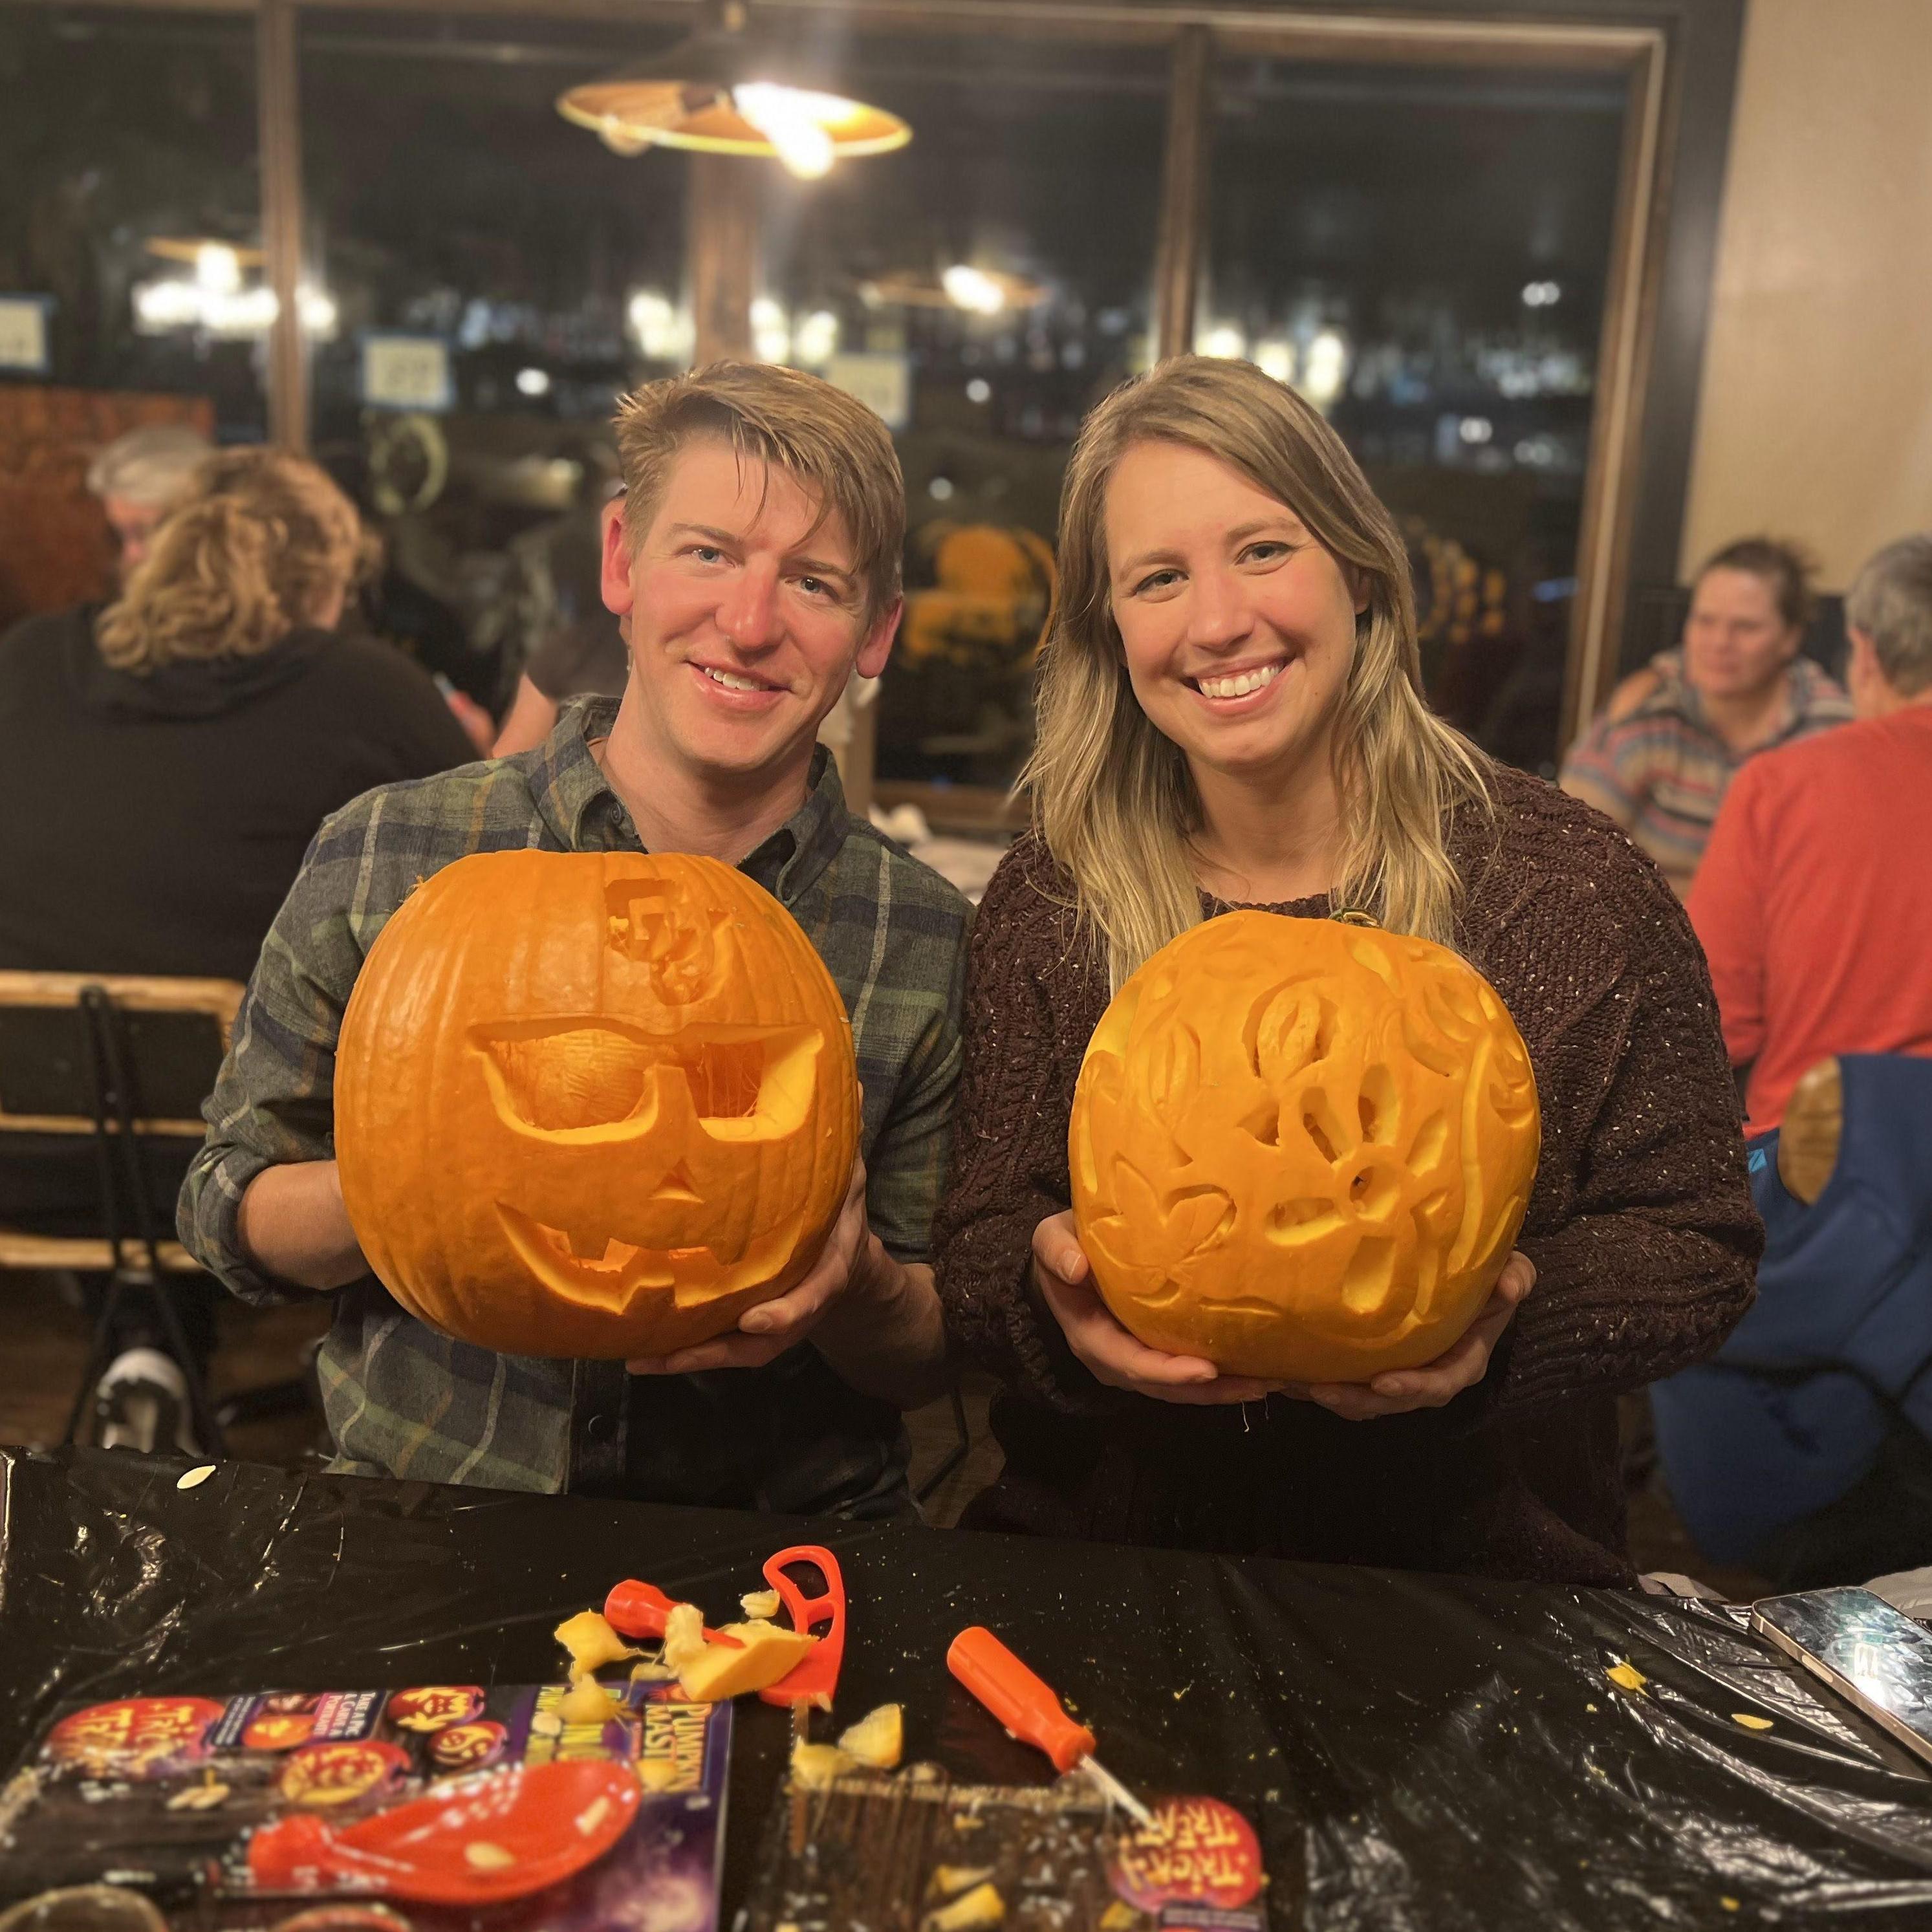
{"x":124,"y":1060}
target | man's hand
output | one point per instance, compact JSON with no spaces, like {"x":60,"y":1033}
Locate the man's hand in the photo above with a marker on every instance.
{"x":1060,"y":1269}
{"x":292,"y":1225}
{"x":851,"y":1261}
{"x":1461,"y":1366}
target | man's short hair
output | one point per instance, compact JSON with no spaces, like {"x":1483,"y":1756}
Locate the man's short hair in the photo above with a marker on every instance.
{"x":837,"y":448}
{"x":1891,"y":601}
{"x":149,"y":466}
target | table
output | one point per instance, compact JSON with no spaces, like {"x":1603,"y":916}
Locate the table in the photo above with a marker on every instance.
{"x":1439,"y":1754}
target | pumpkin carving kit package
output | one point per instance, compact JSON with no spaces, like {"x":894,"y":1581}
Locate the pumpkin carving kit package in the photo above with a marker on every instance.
{"x":453,"y":1805}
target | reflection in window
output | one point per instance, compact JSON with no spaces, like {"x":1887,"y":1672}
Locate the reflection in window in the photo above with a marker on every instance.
{"x":500,"y":277}
{"x":127,"y":143}
{"x":982,"y":288}
{"x":1423,"y":253}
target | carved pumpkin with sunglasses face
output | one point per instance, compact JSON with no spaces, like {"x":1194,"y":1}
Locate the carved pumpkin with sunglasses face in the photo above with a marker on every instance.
{"x":592,"y":1104}
{"x":1302,"y":1148}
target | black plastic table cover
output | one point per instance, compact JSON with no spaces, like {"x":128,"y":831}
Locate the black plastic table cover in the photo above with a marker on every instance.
{"x":1416,"y":1752}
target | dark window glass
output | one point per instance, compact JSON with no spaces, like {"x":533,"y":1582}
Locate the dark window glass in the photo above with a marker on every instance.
{"x":449,"y":201}
{"x":128,"y":198}
{"x":1423,"y":251}
{"x":983,"y":287}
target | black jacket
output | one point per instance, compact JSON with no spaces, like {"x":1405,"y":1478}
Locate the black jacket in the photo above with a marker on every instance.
{"x":154,"y":824}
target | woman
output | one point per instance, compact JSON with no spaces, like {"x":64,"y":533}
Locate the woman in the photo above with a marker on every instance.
{"x":1662,"y":752}
{"x":170,"y":758}
{"x":1231,"y":714}
{"x":166,"y":761}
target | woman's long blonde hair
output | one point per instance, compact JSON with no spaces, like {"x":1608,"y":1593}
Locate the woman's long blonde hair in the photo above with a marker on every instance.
{"x":262,"y":543}
{"x":1113,"y":798}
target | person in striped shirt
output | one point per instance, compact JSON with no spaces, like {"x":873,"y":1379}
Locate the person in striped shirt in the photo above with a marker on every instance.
{"x":1659,"y":756}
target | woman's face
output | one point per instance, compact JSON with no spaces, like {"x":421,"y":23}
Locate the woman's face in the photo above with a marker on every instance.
{"x":1239,"y":629}
{"x":1735,"y":643}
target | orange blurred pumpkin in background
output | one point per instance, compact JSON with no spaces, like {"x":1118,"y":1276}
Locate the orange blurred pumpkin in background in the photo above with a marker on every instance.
{"x":1302,"y":1148}
{"x":592,"y":1104}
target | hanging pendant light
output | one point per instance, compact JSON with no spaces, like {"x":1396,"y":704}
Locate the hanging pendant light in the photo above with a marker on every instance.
{"x":731,"y":89}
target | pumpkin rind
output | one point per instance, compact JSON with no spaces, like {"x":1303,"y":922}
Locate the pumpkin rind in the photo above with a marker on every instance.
{"x":592,"y":1104}
{"x":1302,"y":1148}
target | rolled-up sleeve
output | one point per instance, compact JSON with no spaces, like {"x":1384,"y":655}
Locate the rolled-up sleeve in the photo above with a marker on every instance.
{"x":273,"y":1100}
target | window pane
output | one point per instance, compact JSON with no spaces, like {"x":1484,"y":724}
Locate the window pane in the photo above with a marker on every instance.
{"x":984,"y":287}
{"x":448,"y":199}
{"x":484,"y":258}
{"x":1423,"y":251}
{"x":128,"y":201}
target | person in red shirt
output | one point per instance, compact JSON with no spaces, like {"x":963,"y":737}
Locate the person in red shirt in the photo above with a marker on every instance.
{"x":1814,"y":899}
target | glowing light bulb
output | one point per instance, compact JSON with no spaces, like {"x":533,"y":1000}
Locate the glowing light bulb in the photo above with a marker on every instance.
{"x":816,"y":337}
{"x":663,"y":334}
{"x":793,"y":122}
{"x":771,"y":331}
{"x":1276,"y":359}
{"x":217,"y":268}
{"x":1327,"y":368}
{"x":1224,"y":339}
{"x":972,"y":290}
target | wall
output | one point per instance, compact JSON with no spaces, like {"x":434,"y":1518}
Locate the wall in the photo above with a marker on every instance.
{"x":1815,"y":420}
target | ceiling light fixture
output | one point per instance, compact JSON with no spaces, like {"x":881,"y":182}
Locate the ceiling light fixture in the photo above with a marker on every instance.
{"x":731,"y":89}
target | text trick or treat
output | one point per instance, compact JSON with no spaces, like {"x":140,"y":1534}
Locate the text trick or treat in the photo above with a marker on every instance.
{"x":592,"y":1104}
{"x":1302,"y":1148}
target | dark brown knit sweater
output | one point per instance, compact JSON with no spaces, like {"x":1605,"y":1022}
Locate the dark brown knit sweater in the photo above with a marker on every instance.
{"x":1641,"y":1227}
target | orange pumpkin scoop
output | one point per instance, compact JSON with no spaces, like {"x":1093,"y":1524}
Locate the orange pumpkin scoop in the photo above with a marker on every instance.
{"x":592,"y":1104}
{"x":1302,"y":1148}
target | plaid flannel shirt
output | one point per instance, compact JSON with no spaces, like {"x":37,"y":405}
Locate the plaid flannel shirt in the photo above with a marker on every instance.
{"x":1660,"y":770}
{"x":404,"y":1400}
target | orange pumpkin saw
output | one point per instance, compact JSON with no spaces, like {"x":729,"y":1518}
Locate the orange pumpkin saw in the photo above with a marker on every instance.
{"x":592,"y":1104}
{"x":1302,"y":1148}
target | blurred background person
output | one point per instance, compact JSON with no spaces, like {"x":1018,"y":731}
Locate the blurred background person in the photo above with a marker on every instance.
{"x":579,"y":651}
{"x":164,"y":763}
{"x":1814,"y":901}
{"x":1660,"y":754}
{"x":1804,"y":1447}
{"x":140,"y":478}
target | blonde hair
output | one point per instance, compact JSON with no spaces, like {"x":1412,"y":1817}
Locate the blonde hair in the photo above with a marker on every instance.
{"x":828,"y":440}
{"x":1113,"y":798}
{"x":258,"y":545}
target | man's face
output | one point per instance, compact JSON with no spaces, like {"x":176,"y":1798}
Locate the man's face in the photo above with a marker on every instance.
{"x":133,"y":523}
{"x":1736,"y":644}
{"x":744,"y":613}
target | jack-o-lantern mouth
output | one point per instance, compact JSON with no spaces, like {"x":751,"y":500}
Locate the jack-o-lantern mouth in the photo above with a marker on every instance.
{"x":618,"y":1271}
{"x":591,"y":1080}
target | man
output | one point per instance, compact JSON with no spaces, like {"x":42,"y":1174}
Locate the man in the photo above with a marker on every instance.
{"x":754,"y":562}
{"x":1814,"y":901}
{"x":140,"y":478}
{"x":1659,"y":756}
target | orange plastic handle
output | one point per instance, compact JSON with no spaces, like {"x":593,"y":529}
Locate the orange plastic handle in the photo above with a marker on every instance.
{"x":1025,"y":1704}
{"x":639,"y":1609}
{"x":813,"y":1678}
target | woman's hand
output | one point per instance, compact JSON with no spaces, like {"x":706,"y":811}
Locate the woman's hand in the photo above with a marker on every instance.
{"x":1460,"y":1366}
{"x":1065,"y":1281}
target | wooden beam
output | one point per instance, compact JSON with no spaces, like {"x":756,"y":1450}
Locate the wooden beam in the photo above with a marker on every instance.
{"x":721,"y":250}
{"x":1183,"y":193}
{"x":278,"y":108}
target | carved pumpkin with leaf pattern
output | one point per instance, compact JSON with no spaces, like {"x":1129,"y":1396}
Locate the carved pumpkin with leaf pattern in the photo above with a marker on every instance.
{"x":1302,"y":1148}
{"x":592,"y":1104}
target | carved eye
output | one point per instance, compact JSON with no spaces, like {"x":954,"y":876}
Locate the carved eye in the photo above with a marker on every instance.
{"x":592,"y":1079}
